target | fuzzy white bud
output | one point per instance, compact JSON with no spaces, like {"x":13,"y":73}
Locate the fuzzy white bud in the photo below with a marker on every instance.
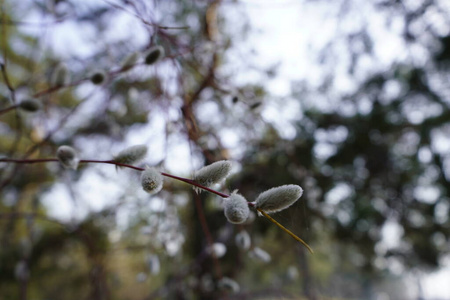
{"x":236,"y":208}
{"x":153,"y":55}
{"x":30,"y":105}
{"x":131,"y":155}
{"x":217,"y":249}
{"x":151,"y":180}
{"x":130,"y":60}
{"x":212,"y":174}
{"x":68,"y":157}
{"x":278,"y":198}
{"x":243,"y":240}
{"x":258,"y":253}
{"x":60,"y":75}
{"x":228,"y":284}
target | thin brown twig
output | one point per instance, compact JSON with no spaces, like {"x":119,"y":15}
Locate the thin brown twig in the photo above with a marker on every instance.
{"x":116,"y":6}
{"x":112,"y":162}
{"x":57,"y":88}
{"x":25,"y":23}
{"x":111,"y":74}
{"x":5,"y":75}
{"x":30,"y":215}
{"x":5,"y":110}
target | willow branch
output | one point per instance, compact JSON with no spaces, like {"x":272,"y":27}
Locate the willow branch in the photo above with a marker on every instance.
{"x":5,"y":110}
{"x":189,"y":181}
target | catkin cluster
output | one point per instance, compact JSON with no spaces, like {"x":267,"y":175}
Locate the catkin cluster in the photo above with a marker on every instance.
{"x":236,"y":207}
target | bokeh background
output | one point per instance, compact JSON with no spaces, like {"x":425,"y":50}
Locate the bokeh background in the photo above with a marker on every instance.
{"x":348,"y":99}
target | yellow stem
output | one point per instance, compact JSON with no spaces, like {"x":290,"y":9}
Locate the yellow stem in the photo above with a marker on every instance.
{"x":286,"y":230}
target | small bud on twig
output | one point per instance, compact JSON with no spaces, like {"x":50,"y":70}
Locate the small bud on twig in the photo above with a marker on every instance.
{"x":153,"y":55}
{"x":130,"y":60}
{"x":98,"y":77}
{"x":68,"y":157}
{"x":258,"y":253}
{"x":243,"y":240}
{"x":228,"y":284}
{"x":236,"y":208}
{"x":151,"y":180}
{"x":255,"y":105}
{"x":278,"y":198}
{"x":30,"y":105}
{"x":60,"y":76}
{"x":217,"y":249}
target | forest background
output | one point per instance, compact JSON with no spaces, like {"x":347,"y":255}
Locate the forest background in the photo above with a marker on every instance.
{"x":348,"y":99}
